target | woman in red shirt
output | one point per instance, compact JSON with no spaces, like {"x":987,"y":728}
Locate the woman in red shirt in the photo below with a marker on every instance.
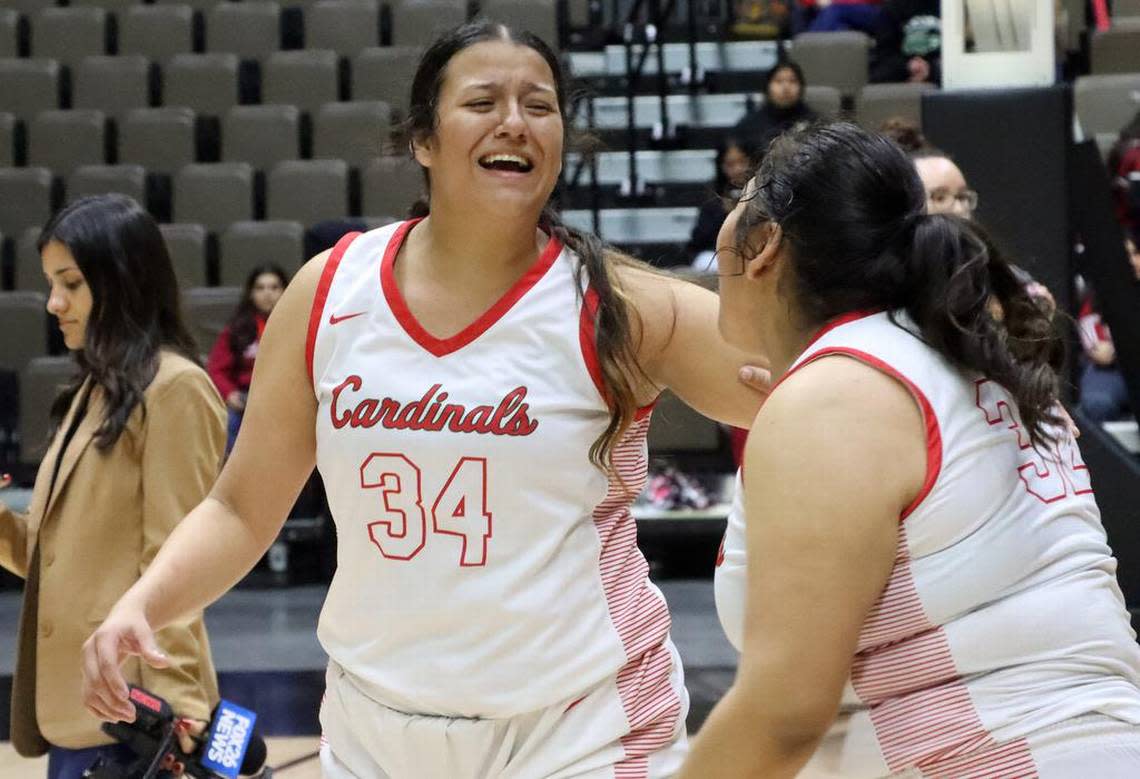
{"x":230,"y":364}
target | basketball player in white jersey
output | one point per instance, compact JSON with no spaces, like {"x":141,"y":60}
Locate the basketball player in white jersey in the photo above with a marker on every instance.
{"x":916,"y":574}
{"x":475,"y":388}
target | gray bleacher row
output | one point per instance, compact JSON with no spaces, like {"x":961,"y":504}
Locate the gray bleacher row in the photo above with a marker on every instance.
{"x":250,"y":29}
{"x":164,"y":139}
{"x":216,"y":195}
{"x":206,"y":83}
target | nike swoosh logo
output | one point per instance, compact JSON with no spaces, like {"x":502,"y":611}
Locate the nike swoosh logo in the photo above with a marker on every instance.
{"x":336,"y":320}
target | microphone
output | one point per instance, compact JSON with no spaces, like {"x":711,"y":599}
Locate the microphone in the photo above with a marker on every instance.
{"x":230,"y":749}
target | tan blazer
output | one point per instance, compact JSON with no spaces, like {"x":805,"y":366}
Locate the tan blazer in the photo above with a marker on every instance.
{"x":85,"y":544}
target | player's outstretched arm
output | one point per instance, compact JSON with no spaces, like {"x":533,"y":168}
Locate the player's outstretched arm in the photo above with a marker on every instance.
{"x":221,"y":539}
{"x":839,"y":453}
{"x":681,"y":348}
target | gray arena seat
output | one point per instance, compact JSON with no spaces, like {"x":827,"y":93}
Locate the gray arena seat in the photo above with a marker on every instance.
{"x":390,"y":185}
{"x":385,"y":74}
{"x":186,"y":243}
{"x":159,"y":139}
{"x":207,"y":83}
{"x":9,"y":32}
{"x":208,"y":309}
{"x":28,"y":270}
{"x":250,"y":29}
{"x":261,"y":135}
{"x":344,"y":26}
{"x":245,"y":245}
{"x":306,"y":79}
{"x":1116,"y":50}
{"x":24,"y":335}
{"x":214,"y":195}
{"x":1105,"y":103}
{"x":418,"y":22}
{"x":110,"y":6}
{"x":825,"y":101}
{"x":69,"y":34}
{"x":29,"y":86}
{"x":876,"y":103}
{"x":63,"y":140}
{"x":833,"y":59}
{"x":308,"y":191}
{"x":100,"y":179}
{"x":355,"y":132}
{"x":677,"y":428}
{"x":539,"y":17}
{"x":158,"y":32}
{"x":201,"y":6}
{"x":26,"y":195}
{"x":40,"y":383}
{"x":7,"y":140}
{"x":113,"y":85}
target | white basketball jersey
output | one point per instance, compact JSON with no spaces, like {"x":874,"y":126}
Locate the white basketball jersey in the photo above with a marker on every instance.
{"x":1002,"y":616}
{"x":485,"y":567}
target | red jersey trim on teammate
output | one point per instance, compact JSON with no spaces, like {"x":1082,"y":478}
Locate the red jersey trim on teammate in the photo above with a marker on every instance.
{"x":321,"y":296}
{"x":440,"y":347}
{"x":587,"y":334}
{"x":930,"y":420}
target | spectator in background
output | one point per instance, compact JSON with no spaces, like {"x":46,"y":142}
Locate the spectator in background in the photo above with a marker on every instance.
{"x":908,"y":42}
{"x":1124,"y":167}
{"x":231,"y":360}
{"x":838,"y":15}
{"x":948,"y":193}
{"x":783,"y":108}
{"x":734,"y":163}
{"x":1104,"y":395}
{"x":905,"y":133}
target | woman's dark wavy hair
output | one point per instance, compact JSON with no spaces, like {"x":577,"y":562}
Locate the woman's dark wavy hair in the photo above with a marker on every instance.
{"x":136,"y":309}
{"x":243,"y":324}
{"x":615,"y":317}
{"x":852,"y":210}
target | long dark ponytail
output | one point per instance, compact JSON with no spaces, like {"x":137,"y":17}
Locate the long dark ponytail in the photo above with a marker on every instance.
{"x":615,"y":317}
{"x":136,"y":309}
{"x":851,"y":208}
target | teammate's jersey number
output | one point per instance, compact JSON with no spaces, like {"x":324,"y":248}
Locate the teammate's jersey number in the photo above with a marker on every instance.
{"x":1047,"y":474}
{"x":459,"y":510}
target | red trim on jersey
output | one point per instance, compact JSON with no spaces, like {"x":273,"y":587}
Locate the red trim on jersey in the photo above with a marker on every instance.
{"x":933,"y":431}
{"x":321,"y":296}
{"x":441,"y":347}
{"x":638,"y":612}
{"x":587,"y":336}
{"x":839,"y":321}
{"x":921,"y":711}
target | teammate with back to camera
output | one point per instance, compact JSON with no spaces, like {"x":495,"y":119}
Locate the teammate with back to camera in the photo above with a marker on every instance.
{"x":475,"y":388}
{"x":947,"y":606}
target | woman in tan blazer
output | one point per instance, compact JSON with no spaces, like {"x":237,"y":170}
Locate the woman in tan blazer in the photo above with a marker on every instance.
{"x":138,"y":442}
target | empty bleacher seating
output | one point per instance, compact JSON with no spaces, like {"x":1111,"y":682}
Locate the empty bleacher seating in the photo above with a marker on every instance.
{"x":158,"y":32}
{"x":100,"y":179}
{"x":28,"y":86}
{"x":261,"y":135}
{"x":186,"y":243}
{"x":27,"y":197}
{"x":246,"y":245}
{"x":214,"y":195}
{"x":307,"y":191}
{"x":61,"y":141}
